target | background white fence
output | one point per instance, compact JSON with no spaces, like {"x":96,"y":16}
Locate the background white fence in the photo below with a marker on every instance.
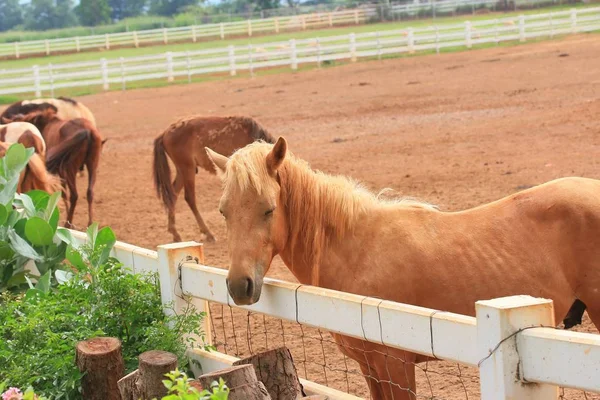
{"x":292,"y":53}
{"x":249,"y":27}
{"x":516,"y":356}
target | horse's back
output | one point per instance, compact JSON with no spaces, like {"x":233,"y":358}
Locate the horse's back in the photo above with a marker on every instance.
{"x":16,"y":131}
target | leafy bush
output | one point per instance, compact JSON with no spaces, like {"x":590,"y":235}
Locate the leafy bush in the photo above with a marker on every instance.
{"x":180,"y":389}
{"x":30,"y":243}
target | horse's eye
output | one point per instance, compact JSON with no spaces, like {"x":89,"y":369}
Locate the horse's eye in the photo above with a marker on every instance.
{"x":270,"y":212}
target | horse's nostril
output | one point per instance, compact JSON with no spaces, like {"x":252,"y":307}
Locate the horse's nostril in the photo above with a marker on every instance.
{"x":249,"y":287}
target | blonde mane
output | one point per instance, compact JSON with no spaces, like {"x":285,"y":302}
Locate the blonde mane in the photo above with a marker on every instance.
{"x":320,"y":207}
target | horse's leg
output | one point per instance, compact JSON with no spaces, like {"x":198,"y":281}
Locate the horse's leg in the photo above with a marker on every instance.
{"x":177,"y":186}
{"x":91,"y":167}
{"x":188,"y":175}
{"x":396,"y":372}
{"x":71,"y":184}
{"x":373,"y":383}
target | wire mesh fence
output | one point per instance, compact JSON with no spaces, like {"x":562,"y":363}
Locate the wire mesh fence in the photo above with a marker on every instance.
{"x":318,"y":358}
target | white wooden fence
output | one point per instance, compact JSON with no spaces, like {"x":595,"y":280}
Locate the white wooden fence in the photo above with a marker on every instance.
{"x":233,"y":59}
{"x":247,"y":27}
{"x":517,"y":359}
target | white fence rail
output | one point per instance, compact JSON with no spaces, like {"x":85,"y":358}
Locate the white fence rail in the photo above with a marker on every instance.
{"x":184,"y":65}
{"x":249,"y":27}
{"x":505,"y":340}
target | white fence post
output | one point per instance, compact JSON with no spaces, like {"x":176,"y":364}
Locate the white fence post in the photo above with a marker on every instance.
{"x":356,"y":20}
{"x":303,"y":20}
{"x":293,"y":59}
{"x":17,"y":50}
{"x":276,"y":25}
{"x":378,"y":45}
{"x":77,"y":45}
{"x":411,"y":40}
{"x":232,"y":71}
{"x":47,"y":45}
{"x":222,"y":30}
{"x":123,"y":83}
{"x":468,"y":41}
{"x":165,"y":36}
{"x":107,"y":41}
{"x":104,"y":67}
{"x":551,"y":26}
{"x":352,"y":37}
{"x":51,"y":76}
{"x":36,"y":81}
{"x":250,"y":66}
{"x":194,"y":34}
{"x":169,"y":56}
{"x":522,"y":28}
{"x":170,"y":258}
{"x":189,"y":66}
{"x":437,"y":40}
{"x":573,"y":20}
{"x":249,"y":27}
{"x":318,"y":53}
{"x":498,"y":323}
{"x":330,"y":18}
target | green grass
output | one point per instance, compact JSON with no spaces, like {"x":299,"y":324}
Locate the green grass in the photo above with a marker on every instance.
{"x":133,"y":52}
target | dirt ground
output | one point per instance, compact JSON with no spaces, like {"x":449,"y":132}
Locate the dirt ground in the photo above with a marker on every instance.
{"x":456,"y":130}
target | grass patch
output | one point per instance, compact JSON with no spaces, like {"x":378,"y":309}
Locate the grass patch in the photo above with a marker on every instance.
{"x":266,"y":38}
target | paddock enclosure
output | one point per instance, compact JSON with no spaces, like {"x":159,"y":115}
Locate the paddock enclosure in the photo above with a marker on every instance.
{"x":456,"y":130}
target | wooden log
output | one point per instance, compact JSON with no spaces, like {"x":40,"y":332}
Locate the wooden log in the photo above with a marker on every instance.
{"x":275,"y":368}
{"x":101,"y":361}
{"x":233,"y":376}
{"x":128,"y":386}
{"x":252,"y":391}
{"x":153,"y":365}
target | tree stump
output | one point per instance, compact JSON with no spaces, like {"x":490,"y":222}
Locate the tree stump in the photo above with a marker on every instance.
{"x":241,"y":381}
{"x":129,"y":388}
{"x":153,"y":365}
{"x":101,"y":361}
{"x":275,"y":368}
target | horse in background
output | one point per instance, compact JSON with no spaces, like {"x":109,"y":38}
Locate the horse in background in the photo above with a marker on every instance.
{"x":72,"y":144}
{"x":66,"y":108}
{"x":333,"y":233}
{"x":25,"y":133}
{"x":35,"y":176}
{"x":184,"y":142}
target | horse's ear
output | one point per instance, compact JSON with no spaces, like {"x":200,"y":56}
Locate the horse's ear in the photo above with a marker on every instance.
{"x":277,"y":155}
{"x":219,"y":160}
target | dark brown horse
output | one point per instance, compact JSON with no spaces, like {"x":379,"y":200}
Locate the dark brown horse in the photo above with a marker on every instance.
{"x":71,"y":145}
{"x":184,"y":142}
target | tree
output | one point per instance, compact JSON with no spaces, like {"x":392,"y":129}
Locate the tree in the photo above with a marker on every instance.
{"x":93,"y":12}
{"x":10,"y":14}
{"x":122,"y":9}
{"x":168,"y":8}
{"x":46,"y":14}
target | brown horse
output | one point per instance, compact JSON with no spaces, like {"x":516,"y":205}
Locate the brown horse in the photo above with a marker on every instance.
{"x":332,"y":233}
{"x":25,"y":133}
{"x":35,"y":175}
{"x":72,"y":145}
{"x":66,"y":108}
{"x":184,"y":141}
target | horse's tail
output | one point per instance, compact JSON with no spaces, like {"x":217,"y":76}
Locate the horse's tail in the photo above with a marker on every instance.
{"x":258,"y":132}
{"x":59,"y":157}
{"x":162,"y":174}
{"x":37,"y":177}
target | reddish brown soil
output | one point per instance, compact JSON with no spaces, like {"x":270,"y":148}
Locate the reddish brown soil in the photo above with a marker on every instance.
{"x":456,"y":130}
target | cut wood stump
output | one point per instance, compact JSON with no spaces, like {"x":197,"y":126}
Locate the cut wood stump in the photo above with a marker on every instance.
{"x":153,"y":365}
{"x":241,"y":381}
{"x":128,"y":386}
{"x":276,"y":370}
{"x":102,"y":362}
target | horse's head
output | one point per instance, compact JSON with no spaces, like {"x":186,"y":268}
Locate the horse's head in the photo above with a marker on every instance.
{"x":252,"y":207}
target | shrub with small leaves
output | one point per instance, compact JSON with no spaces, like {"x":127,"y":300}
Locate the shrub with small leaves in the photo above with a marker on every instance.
{"x":180,"y":388}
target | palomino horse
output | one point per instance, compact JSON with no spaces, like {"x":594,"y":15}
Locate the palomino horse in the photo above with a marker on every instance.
{"x":66,"y":108}
{"x":25,"y":133}
{"x":331,"y":232}
{"x":71,"y":145}
{"x":35,"y":175}
{"x":184,"y":141}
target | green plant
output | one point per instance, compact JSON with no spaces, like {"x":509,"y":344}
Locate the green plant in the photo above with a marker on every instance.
{"x":16,"y":394}
{"x":97,"y":297}
{"x":30,"y":245}
{"x":180,"y":388}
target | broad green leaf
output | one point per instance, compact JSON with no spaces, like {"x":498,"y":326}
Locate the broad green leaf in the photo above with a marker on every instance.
{"x":31,"y":285}
{"x":7,"y":194}
{"x":20,"y":226}
{"x":53,"y":221}
{"x":16,"y":158}
{"x":3,"y":215}
{"x":92,"y":232}
{"x":43,"y":284}
{"x":51,"y":206}
{"x":32,"y":293}
{"x":39,"y":232}
{"x":65,"y":235}
{"x":39,"y":199}
{"x":75,"y":258}
{"x":17,"y":280}
{"x":106,"y":237}
{"x":63,"y":276}
{"x":21,"y":247}
{"x":27,"y":204}
{"x":6,"y":252}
